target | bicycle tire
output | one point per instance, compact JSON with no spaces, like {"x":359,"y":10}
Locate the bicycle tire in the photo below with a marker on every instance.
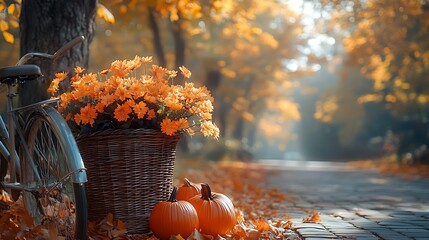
{"x":65,"y":205}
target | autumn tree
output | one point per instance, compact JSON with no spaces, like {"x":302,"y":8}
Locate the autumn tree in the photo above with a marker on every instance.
{"x":387,"y":42}
{"x":238,"y":49}
{"x":230,"y":50}
{"x":45,"y":26}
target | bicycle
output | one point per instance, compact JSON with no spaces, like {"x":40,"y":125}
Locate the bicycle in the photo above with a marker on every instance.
{"x":44,"y":163}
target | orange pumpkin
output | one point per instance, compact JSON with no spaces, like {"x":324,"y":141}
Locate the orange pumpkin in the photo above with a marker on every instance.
{"x":188,"y":190}
{"x":216,"y":212}
{"x":173,"y":217}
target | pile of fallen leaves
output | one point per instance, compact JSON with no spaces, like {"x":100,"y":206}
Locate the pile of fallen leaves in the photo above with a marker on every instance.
{"x":16,"y":223}
{"x":389,"y":167}
{"x":261,"y":212}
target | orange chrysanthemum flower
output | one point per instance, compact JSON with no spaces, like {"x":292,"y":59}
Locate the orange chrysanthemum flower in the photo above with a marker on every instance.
{"x":159,"y":72}
{"x":185,"y":72}
{"x":99,"y":107}
{"x":119,"y":68}
{"x":140,"y":110}
{"x":182,"y":123}
{"x":151,"y":114}
{"x":169,"y":127}
{"x":173,"y":103}
{"x":78,"y":70}
{"x":122,"y":93}
{"x":150,"y":99}
{"x":77,"y":119}
{"x":61,"y":75}
{"x":88,"y":114}
{"x":122,"y":112}
{"x":209,"y":129}
{"x":54,"y":86}
{"x":190,"y":131}
{"x":146,"y":60}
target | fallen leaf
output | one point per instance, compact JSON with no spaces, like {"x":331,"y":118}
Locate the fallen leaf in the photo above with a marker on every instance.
{"x":314,"y":217}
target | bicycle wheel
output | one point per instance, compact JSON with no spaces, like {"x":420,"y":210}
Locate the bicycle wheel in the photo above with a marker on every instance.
{"x":58,"y":201}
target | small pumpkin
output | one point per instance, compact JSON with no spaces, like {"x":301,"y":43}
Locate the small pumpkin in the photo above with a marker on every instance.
{"x":215,"y":211}
{"x":188,"y":190}
{"x":173,"y":217}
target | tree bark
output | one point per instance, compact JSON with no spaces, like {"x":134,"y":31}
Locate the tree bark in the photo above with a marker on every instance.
{"x":179,"y":43}
{"x":238,"y":132}
{"x":159,"y":50}
{"x":45,"y":26}
{"x":179,"y":46}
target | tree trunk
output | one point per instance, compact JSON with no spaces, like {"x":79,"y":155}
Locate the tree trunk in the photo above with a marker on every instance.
{"x":159,"y":50}
{"x":45,"y":26}
{"x":179,"y":46}
{"x":179,"y":42}
{"x":238,"y":132}
{"x":213,"y":80}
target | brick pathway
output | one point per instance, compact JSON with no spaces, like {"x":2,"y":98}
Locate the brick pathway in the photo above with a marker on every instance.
{"x":362,"y":205}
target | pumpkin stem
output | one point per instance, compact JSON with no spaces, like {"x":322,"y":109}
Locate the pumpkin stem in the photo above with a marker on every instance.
{"x":206,"y":192}
{"x":173,"y":195}
{"x":187,"y":182}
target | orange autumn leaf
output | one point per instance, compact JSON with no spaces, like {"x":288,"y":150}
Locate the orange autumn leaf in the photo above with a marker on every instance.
{"x":121,"y":225}
{"x":240,"y":231}
{"x":8,"y":37}
{"x":314,"y":217}
{"x":261,"y":225}
{"x":179,"y":237}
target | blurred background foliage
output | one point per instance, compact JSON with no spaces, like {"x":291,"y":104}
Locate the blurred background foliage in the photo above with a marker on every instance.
{"x":294,"y":79}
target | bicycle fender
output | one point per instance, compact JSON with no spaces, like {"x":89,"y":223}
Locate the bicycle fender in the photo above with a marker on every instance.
{"x":76,"y":164}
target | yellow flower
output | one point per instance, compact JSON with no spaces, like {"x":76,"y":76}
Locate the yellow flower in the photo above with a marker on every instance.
{"x":169,"y":127}
{"x":122,"y":112}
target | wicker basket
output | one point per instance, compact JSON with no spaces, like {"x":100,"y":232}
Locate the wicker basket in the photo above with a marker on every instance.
{"x":129,"y":171}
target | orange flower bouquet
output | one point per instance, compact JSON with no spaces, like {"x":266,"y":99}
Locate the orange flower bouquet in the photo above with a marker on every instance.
{"x":123,"y":97}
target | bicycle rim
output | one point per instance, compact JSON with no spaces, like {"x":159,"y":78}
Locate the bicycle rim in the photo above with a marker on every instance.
{"x":60,"y":204}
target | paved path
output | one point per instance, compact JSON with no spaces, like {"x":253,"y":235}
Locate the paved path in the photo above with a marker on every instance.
{"x":353,"y":204}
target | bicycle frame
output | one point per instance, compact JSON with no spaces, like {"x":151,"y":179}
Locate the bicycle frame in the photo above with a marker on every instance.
{"x":15,"y":124}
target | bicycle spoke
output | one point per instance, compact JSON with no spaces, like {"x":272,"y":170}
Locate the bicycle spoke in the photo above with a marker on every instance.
{"x":57,"y":193}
